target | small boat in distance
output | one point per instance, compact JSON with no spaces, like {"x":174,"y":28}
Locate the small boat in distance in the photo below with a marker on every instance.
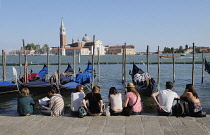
{"x":184,"y":54}
{"x":170,"y":57}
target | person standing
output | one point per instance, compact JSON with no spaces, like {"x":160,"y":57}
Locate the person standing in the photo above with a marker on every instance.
{"x":95,"y":102}
{"x":56,"y":104}
{"x":164,"y":99}
{"x":133,"y":98}
{"x":26,"y":104}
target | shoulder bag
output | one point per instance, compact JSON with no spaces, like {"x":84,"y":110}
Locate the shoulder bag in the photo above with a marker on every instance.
{"x":128,"y":110}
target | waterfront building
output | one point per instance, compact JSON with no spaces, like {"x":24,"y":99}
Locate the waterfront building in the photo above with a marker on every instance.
{"x":22,"y":52}
{"x":118,"y":50}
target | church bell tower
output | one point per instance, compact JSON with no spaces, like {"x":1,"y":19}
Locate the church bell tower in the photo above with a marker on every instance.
{"x":62,"y":35}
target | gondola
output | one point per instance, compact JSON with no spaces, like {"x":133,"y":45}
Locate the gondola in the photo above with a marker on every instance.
{"x":143,"y":82}
{"x":38,"y":84}
{"x":7,"y":87}
{"x":36,"y":76}
{"x":82,"y":78}
{"x":207,"y":66}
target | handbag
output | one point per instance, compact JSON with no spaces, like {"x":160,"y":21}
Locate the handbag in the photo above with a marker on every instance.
{"x":128,"y":110}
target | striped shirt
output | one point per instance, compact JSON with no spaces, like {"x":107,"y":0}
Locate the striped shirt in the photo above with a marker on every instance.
{"x":56,"y":105}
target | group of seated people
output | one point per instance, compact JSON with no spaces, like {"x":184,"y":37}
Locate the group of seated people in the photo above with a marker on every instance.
{"x":164,"y":100}
{"x":93,"y":103}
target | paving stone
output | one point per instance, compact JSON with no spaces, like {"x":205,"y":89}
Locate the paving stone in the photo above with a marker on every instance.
{"x":114,"y":130}
{"x":151,"y":125}
{"x":178,"y":126}
{"x":165,"y":126}
{"x":101,"y":125}
{"x":193,"y":126}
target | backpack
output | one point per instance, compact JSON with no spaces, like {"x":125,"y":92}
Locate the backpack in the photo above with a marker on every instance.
{"x":82,"y":112}
{"x":181,"y":109}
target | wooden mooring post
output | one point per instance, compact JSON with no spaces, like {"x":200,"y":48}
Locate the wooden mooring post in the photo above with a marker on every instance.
{"x":79,"y":62}
{"x":124,"y":66}
{"x":4,"y":65}
{"x":93,"y":55}
{"x":26,"y":63}
{"x":74,"y":62}
{"x":174,"y":76}
{"x":193,"y":64}
{"x":158,"y":79}
{"x":59,"y":65}
{"x":20,"y":65}
{"x":147,"y":58}
{"x":48,"y":62}
{"x":98,"y":65}
{"x":203,"y":63}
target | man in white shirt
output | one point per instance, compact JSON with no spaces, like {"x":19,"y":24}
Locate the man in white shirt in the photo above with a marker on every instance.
{"x":164,"y":99}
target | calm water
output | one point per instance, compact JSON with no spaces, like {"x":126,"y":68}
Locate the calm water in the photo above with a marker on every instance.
{"x":111,"y":75}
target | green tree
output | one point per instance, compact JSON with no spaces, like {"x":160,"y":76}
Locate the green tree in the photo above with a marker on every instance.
{"x":29,"y":46}
{"x":45,"y":46}
{"x":180,"y":48}
{"x":37,"y":47}
{"x":186,"y":47}
{"x":167,"y":50}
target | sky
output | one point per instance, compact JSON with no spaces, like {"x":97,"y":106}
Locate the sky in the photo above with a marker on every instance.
{"x":164,"y":23}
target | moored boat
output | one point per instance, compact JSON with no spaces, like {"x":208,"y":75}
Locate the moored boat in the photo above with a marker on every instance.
{"x":6,"y":87}
{"x":207,"y":66}
{"x":82,"y":78}
{"x":170,"y":57}
{"x":143,"y":82}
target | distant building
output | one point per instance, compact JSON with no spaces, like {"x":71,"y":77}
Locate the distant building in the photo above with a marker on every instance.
{"x":22,"y":52}
{"x":118,"y":50}
{"x":84,"y":47}
{"x":202,"y":49}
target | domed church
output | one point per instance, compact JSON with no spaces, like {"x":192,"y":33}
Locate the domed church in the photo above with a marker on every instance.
{"x":84,"y":47}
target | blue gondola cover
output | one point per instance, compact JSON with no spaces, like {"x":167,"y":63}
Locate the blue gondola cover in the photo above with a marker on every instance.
{"x":43,"y":72}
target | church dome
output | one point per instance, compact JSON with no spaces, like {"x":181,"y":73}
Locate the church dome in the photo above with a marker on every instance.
{"x":86,"y":38}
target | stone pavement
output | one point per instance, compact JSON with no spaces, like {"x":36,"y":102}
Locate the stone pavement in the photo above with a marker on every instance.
{"x":145,"y":124}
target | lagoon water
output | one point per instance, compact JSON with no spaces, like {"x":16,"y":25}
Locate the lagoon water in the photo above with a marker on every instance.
{"x":111,"y":74}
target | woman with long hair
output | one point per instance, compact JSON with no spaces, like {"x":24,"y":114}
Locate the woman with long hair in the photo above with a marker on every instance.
{"x":193,"y":99}
{"x":115,"y":101}
{"x":76,"y":99}
{"x":133,"y":98}
{"x":26,"y":104}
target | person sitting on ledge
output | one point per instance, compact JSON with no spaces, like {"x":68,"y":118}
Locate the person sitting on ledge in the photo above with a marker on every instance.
{"x":26,"y":104}
{"x":115,"y":101}
{"x":76,"y":99}
{"x":56,"y":104}
{"x":95,"y":103}
{"x":164,"y":99}
{"x":190,"y":95}
{"x":133,"y":98}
